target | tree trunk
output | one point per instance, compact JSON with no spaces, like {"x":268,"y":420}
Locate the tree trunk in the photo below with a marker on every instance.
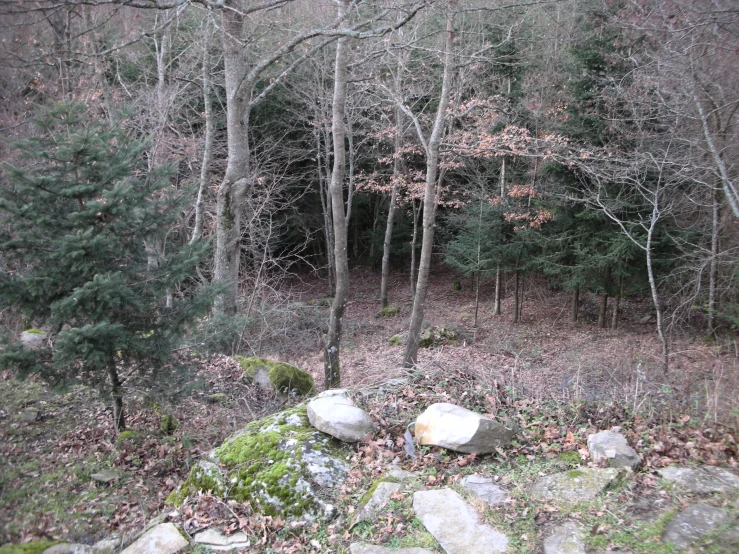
{"x":429,"y":199}
{"x":332,"y":371}
{"x":575,"y":305}
{"x":237,"y":180}
{"x":209,"y":135}
{"x":496,"y":306}
{"x":414,"y":242}
{"x":116,"y":393}
{"x":604,"y":301}
{"x":713,"y":268}
{"x":516,"y":293}
{"x":384,"y":300}
{"x":617,"y":306}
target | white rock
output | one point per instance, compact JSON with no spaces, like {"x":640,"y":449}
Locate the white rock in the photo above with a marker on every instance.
{"x":215,"y":540}
{"x":459,"y":429}
{"x":69,"y":548}
{"x":565,"y":540}
{"x":160,"y":539}
{"x":33,"y":341}
{"x":703,"y":480}
{"x":454,"y":523}
{"x":612,"y":447}
{"x":376,"y":502}
{"x":692,"y":524}
{"x":333,"y":413}
{"x":577,"y":485}
{"x":357,"y":548}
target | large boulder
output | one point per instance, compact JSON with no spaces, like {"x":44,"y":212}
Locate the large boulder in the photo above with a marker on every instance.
{"x":612,"y":447}
{"x":280,"y":465}
{"x":459,"y":429}
{"x":577,"y":485}
{"x":279,"y":376}
{"x":455,"y":524}
{"x":164,"y":538}
{"x":334,"y":413}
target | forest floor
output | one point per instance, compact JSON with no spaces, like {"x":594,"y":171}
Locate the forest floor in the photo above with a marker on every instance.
{"x":567,"y":378}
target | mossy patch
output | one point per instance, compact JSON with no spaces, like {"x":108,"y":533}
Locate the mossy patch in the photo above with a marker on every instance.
{"x":434,"y":336}
{"x":388,"y":311}
{"x":284,"y":378}
{"x":217,"y":398}
{"x":275,"y":464}
{"x":368,"y":495}
{"x":396,"y":340}
{"x":35,"y":332}
{"x":35,"y":547}
{"x":168,"y":424}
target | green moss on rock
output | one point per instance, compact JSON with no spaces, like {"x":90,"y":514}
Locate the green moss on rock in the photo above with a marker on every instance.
{"x":217,"y":398}
{"x":388,"y":311}
{"x":368,"y":495}
{"x":35,"y":547}
{"x":35,"y":332}
{"x":168,"y":424}
{"x":276,"y":464}
{"x":284,"y":378}
{"x":396,"y":340}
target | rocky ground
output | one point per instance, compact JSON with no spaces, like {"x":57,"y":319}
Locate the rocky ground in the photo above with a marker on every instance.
{"x":553,"y":382}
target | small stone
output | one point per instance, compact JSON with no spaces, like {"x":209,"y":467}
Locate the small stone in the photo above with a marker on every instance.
{"x":646,"y":319}
{"x":612,"y":447}
{"x":459,"y":429}
{"x":703,"y":480}
{"x":357,"y":548}
{"x":69,"y":548}
{"x":164,"y":538}
{"x":575,"y":486}
{"x":400,"y":474}
{"x":376,"y":502}
{"x":692,"y":524}
{"x":107,"y":546}
{"x":29,"y":415}
{"x":485,"y":489}
{"x":333,"y":413}
{"x":566,"y":539}
{"x":454,"y":523}
{"x":105,"y":476}
{"x":33,"y":339}
{"x":214,"y":539}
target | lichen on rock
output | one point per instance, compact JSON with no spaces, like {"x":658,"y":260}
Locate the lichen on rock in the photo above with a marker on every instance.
{"x":278,"y":464}
{"x":280,"y":376}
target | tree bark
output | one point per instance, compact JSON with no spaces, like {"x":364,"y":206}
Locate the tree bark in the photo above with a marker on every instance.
{"x":604,"y":301}
{"x":116,"y":393}
{"x":332,"y":370}
{"x":713,"y":267}
{"x":575,"y":305}
{"x":414,"y":242}
{"x":384,"y":300}
{"x":617,"y":306}
{"x":496,"y":306}
{"x":429,"y":199}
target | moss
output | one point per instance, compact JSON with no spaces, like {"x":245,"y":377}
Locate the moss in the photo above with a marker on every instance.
{"x":35,"y":332}
{"x":203,"y":477}
{"x":124,"y":436}
{"x":217,"y":398}
{"x":388,"y":311}
{"x":35,"y":547}
{"x":434,"y":336}
{"x":368,"y":495}
{"x":575,"y":473}
{"x":456,"y":285}
{"x":571,"y":457}
{"x":396,"y":340}
{"x":168,"y":424}
{"x":284,"y":377}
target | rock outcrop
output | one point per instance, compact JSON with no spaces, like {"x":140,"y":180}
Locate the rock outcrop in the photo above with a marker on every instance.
{"x":692,"y":524}
{"x":702,"y":480}
{"x":459,"y":429}
{"x":612,"y":447}
{"x":575,"y":486}
{"x":279,"y":376}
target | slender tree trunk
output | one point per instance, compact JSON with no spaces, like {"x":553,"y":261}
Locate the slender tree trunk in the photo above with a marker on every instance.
{"x":575,"y":305}
{"x":384,"y":300}
{"x":516,"y":293}
{"x":332,"y":371}
{"x":116,"y":393}
{"x":429,"y":200}
{"x":713,"y":267}
{"x":327,"y":224}
{"x":604,"y":301}
{"x":414,"y":242}
{"x":617,"y":306}
{"x":496,"y":306}
{"x":209,"y":135}
{"x":237,"y":180}
{"x":653,"y":287}
{"x":477,"y":296}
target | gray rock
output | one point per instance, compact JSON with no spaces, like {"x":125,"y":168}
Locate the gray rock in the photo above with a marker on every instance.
{"x":214,"y":539}
{"x":357,"y":548}
{"x":33,"y":340}
{"x":333,"y":413}
{"x":692,"y":524}
{"x":485,"y":489}
{"x":400,"y":474}
{"x":459,"y":429}
{"x":29,"y":415}
{"x":164,"y":538}
{"x":69,"y":548}
{"x":105,"y":476}
{"x":310,"y":470}
{"x":370,"y":507}
{"x":612,"y":447}
{"x":107,"y":546}
{"x":574,"y":486}
{"x":706,"y":479}
{"x":455,"y":524}
{"x":565,"y":539}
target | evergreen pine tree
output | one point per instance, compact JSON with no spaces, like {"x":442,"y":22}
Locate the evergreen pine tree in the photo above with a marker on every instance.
{"x":77,"y":211}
